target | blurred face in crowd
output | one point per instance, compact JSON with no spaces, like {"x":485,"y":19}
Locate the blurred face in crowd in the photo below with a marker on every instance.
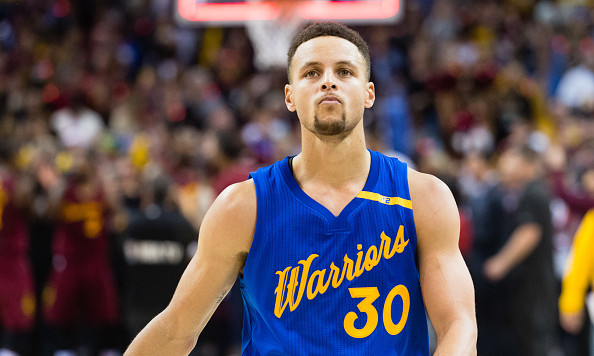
{"x":517,"y":167}
{"x":476,"y":165}
{"x":82,"y":167}
{"x":329,"y":87}
{"x":514,"y":170}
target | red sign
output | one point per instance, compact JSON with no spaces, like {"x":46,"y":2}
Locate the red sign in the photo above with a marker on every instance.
{"x":227,"y":13}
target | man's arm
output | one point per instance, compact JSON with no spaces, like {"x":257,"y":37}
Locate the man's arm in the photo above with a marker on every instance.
{"x":578,"y":276}
{"x":225,"y":238}
{"x":447,"y":288}
{"x":520,"y":245}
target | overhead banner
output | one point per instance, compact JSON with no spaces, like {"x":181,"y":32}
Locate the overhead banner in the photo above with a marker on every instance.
{"x":228,"y":13}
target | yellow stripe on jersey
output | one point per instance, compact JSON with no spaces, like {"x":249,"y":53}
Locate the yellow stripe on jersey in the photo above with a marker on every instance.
{"x":385,"y":200}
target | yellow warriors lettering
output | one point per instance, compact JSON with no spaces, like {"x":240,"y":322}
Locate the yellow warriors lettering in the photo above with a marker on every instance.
{"x":399,"y":244}
{"x":282,"y":298}
{"x":358,"y":267}
{"x":294,"y":282}
{"x":320,"y":287}
{"x":371,"y":258}
{"x":348,"y":265}
{"x":334,"y":271}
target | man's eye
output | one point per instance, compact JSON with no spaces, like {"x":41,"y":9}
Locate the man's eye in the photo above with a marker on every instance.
{"x":310,"y":74}
{"x":344,"y":72}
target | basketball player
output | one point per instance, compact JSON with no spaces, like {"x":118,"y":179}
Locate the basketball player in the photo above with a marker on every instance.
{"x":81,"y":290}
{"x":17,"y":297}
{"x":339,"y":249}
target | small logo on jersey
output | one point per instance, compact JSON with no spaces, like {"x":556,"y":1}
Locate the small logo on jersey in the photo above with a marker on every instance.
{"x":406,"y":203}
{"x":316,"y":282}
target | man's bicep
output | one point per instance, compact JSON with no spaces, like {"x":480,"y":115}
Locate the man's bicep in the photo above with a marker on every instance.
{"x":225,"y":236}
{"x":445,"y":281}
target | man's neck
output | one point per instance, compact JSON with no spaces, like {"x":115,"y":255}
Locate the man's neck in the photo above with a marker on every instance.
{"x":331,"y":162}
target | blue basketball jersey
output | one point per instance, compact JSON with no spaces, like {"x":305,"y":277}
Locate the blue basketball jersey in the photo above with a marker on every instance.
{"x":319,"y":284}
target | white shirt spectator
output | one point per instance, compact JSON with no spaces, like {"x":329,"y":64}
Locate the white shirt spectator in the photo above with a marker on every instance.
{"x":80,"y":128}
{"x":576,"y":87}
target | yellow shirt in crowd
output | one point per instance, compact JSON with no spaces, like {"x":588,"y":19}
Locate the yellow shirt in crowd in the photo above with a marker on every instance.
{"x":580,"y":272}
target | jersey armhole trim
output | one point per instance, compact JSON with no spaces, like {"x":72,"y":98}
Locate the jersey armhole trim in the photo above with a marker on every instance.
{"x":407,"y":214}
{"x":260,"y":201}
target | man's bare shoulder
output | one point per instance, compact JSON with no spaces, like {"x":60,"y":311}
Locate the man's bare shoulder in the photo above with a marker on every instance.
{"x":231,"y":220}
{"x":238,"y":198}
{"x":425,"y":186}
{"x":434,"y":207}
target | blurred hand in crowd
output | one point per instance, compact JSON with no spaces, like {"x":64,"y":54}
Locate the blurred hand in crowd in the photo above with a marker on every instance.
{"x":556,"y":158}
{"x":47,"y":176}
{"x":572,"y":322}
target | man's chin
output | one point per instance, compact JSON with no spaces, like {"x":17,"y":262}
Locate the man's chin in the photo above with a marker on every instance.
{"x":329,"y":128}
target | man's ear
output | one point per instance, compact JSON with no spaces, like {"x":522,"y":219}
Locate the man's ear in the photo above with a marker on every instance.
{"x":369,"y":95}
{"x":289,"y":98}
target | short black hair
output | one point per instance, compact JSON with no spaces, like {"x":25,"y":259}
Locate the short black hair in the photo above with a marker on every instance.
{"x":160,"y":186}
{"x":527,"y":153}
{"x":230,"y":143}
{"x":335,"y":29}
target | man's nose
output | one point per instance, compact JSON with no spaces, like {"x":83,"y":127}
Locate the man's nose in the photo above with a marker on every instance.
{"x":329,"y":81}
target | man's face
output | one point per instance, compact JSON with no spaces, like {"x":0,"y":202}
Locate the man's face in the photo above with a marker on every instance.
{"x":514,"y":171}
{"x":329,"y":87}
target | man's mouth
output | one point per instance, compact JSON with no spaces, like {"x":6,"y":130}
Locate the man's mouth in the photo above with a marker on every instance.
{"x":329,"y":100}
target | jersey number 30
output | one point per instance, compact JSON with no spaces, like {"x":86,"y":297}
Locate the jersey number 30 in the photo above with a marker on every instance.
{"x":369,"y":295}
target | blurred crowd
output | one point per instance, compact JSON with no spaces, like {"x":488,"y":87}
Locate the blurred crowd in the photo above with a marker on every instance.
{"x":119,"y":127}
